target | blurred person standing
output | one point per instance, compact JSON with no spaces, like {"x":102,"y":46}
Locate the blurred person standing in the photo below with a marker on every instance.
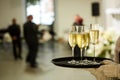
{"x":30,"y":35}
{"x":15,"y":33}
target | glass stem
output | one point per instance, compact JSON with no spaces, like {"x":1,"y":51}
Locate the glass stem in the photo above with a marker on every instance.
{"x":94,"y":52}
{"x":85,"y":53}
{"x":81,"y":54}
{"x":72,"y":51}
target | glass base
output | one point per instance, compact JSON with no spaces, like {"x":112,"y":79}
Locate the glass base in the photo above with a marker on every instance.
{"x":88,"y":62}
{"x":73,"y":62}
{"x":94,"y":62}
{"x":85,"y":61}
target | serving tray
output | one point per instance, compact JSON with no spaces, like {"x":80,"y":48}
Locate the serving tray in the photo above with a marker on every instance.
{"x":64,"y":62}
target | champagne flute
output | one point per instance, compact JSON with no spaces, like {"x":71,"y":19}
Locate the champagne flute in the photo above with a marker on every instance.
{"x":80,"y":39}
{"x":94,"y":36}
{"x":87,"y":41}
{"x":72,"y":43}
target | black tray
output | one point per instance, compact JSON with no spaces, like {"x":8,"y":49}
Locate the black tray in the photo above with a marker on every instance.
{"x":63,"y":62}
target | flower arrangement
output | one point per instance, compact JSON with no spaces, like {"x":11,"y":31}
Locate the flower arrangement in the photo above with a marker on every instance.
{"x":106,"y":45}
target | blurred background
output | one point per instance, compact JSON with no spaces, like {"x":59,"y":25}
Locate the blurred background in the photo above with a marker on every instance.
{"x":62,"y":13}
{"x":56,"y":16}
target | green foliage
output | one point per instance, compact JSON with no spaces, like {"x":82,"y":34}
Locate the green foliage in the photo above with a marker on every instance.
{"x":31,"y":2}
{"x":103,"y":54}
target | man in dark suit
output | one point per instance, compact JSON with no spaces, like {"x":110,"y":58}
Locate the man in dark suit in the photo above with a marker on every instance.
{"x":30,"y":35}
{"x":14,"y":31}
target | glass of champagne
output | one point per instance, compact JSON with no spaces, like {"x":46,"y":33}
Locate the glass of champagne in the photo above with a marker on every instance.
{"x":94,"y":36}
{"x":80,"y":39}
{"x":87,"y":41}
{"x":72,"y":43}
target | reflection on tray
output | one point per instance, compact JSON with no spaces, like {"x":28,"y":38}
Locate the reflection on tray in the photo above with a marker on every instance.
{"x":65,"y":62}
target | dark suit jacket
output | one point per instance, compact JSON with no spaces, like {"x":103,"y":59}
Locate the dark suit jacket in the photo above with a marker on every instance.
{"x":30,"y":33}
{"x":14,"y":30}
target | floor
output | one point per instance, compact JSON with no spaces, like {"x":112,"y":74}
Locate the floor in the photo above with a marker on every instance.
{"x":18,"y":70}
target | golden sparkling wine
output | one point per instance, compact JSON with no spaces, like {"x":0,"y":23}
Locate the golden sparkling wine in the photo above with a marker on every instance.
{"x":80,"y":38}
{"x":72,"y":39}
{"x":94,"y":35}
{"x":87,"y":39}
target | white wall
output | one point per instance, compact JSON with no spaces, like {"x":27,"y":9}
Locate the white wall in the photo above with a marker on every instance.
{"x":65,"y":12}
{"x":67,"y":9}
{"x":112,"y":18}
{"x":11,"y":9}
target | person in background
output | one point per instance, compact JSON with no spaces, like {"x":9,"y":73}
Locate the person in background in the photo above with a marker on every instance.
{"x":31,"y":38}
{"x":78,"y":21}
{"x":14,"y":31}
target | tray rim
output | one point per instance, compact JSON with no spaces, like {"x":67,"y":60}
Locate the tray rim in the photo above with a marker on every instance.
{"x":54,"y":61}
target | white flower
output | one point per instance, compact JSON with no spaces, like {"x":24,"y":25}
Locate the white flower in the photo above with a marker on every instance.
{"x":106,"y":44}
